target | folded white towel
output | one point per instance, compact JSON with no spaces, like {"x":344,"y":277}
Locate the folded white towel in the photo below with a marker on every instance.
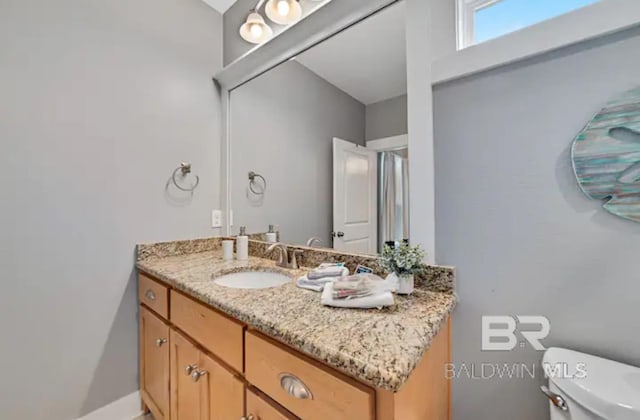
{"x":328,"y":270}
{"x":377,"y":300}
{"x":316,"y":285}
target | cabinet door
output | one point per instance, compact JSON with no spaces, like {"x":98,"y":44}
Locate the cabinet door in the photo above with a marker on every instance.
{"x":260,"y":408}
{"x":185,"y":390}
{"x":154,"y":363}
{"x":222,"y":392}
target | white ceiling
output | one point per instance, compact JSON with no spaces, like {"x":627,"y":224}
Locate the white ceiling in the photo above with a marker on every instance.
{"x":220,"y":5}
{"x":368,"y":60}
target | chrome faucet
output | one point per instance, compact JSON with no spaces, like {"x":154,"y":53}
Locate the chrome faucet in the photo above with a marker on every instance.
{"x":313,"y":240}
{"x":283,"y":259}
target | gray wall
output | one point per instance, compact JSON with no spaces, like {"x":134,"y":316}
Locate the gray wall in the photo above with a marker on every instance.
{"x":282,"y":126}
{"x":386,"y":118}
{"x":442,"y":29}
{"x":510,"y":216}
{"x":100,"y":101}
{"x":236,"y":15}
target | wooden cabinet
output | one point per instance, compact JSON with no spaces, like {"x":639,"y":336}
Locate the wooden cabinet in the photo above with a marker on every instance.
{"x":261,"y":408}
{"x":199,"y":364}
{"x":201,"y":388}
{"x":154,"y":363}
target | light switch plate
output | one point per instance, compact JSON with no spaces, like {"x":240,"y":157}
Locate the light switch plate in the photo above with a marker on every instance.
{"x":216,"y":218}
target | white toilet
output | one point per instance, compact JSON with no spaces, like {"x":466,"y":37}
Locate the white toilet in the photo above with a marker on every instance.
{"x":585,"y":387}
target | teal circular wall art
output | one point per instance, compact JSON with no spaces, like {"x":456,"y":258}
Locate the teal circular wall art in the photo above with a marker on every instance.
{"x":606,"y":156}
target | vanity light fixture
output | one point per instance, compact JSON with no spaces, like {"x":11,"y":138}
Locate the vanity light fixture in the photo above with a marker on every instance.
{"x":284,"y":12}
{"x":255,"y":30}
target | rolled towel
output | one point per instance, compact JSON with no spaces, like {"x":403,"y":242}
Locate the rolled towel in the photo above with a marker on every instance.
{"x":328,"y":270}
{"x":376,"y":300}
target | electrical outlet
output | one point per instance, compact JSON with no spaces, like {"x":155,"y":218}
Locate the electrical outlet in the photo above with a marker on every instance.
{"x":216,"y":218}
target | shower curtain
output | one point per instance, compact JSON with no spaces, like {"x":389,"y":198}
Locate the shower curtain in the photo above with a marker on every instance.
{"x":393,"y":197}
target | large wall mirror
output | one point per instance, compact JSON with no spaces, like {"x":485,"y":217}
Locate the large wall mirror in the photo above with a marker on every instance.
{"x":318,"y":144}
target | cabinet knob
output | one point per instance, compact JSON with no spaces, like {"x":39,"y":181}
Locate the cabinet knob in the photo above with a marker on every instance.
{"x":150,"y":295}
{"x":189,"y":369}
{"x":295,"y":387}
{"x":197,"y":374}
{"x":249,"y":417}
{"x":161,"y":341}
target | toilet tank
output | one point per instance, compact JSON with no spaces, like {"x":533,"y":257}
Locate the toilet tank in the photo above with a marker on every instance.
{"x":590,"y":387}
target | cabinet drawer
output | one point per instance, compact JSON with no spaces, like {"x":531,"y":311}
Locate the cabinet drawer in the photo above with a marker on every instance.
{"x":154,"y":295}
{"x":260,"y":408}
{"x":302,"y":385}
{"x":220,"y":335}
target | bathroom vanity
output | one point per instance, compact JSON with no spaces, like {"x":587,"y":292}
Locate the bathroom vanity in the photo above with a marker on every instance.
{"x":213,"y":352}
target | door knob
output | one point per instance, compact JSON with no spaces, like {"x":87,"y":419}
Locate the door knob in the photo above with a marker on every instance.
{"x":190,"y":368}
{"x":338,"y":234}
{"x":161,"y":341}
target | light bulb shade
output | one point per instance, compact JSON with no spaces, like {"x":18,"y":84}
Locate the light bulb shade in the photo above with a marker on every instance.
{"x":294,"y":11}
{"x":255,"y":30}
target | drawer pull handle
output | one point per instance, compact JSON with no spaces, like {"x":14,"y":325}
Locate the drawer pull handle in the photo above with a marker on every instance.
{"x":150,"y":295}
{"x":295,"y":387}
{"x":189,"y":369}
{"x":161,"y":341}
{"x":197,"y":374}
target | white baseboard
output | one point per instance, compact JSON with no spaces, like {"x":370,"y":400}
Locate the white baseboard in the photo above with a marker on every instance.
{"x":126,"y":408}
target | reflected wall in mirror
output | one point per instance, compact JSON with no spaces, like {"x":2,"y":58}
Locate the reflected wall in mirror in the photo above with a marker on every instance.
{"x":327,"y":131}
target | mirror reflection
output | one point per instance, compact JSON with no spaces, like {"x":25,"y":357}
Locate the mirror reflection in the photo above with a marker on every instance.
{"x":319,"y":143}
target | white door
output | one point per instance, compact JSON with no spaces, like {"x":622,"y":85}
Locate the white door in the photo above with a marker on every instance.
{"x":355,"y":215}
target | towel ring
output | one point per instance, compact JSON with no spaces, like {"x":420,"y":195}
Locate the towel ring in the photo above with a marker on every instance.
{"x":185,"y":169}
{"x":252,"y":178}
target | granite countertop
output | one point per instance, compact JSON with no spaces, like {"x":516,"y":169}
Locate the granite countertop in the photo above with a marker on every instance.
{"x":378,"y":347}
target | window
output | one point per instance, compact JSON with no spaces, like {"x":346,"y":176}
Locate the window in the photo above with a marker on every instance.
{"x":482,"y":20}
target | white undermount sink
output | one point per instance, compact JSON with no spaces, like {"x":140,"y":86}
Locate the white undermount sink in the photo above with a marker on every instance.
{"x":252,"y":280}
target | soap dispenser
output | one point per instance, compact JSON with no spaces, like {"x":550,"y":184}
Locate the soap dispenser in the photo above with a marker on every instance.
{"x":272,"y":236}
{"x":242,"y":245}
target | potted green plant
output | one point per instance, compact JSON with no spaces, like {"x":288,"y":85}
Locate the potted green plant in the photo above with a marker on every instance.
{"x":405,"y":261}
